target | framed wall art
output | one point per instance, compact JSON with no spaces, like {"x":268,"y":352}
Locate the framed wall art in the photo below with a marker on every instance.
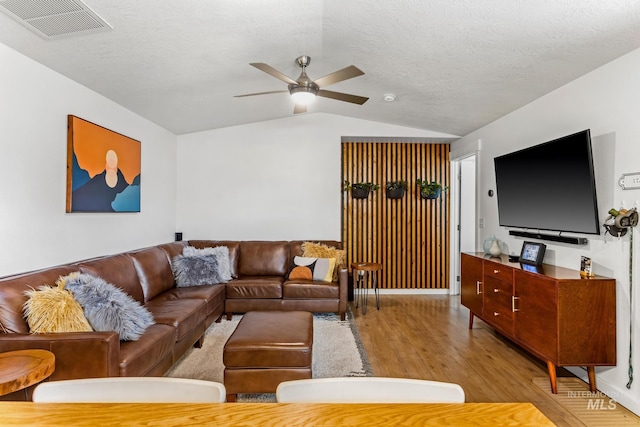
{"x":103,"y":169}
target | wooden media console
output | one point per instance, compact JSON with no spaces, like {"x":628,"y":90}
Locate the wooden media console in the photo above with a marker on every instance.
{"x":550,"y":311}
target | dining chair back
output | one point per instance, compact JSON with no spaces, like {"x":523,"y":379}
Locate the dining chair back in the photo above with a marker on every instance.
{"x":368,"y":390}
{"x":130,"y":390}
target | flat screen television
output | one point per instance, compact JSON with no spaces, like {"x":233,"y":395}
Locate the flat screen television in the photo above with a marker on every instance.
{"x":550,"y":186}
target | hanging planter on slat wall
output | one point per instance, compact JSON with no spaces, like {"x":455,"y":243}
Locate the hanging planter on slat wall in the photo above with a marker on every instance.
{"x":360,"y":190}
{"x":430,"y":190}
{"x":360,"y":193}
{"x":396,"y":189}
{"x":432,"y":194}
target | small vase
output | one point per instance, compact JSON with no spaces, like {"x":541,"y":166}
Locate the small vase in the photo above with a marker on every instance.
{"x":487,"y":244}
{"x":495,"y":249}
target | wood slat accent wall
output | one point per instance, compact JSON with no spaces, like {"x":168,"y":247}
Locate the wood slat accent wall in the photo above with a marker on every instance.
{"x":409,"y":236}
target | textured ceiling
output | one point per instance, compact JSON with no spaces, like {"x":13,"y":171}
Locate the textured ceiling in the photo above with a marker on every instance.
{"x":455,"y":65}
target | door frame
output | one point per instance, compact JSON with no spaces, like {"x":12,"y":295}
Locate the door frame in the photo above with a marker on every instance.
{"x":463,"y":181}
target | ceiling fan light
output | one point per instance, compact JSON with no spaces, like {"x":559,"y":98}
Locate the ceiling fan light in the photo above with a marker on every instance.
{"x":303,"y":95}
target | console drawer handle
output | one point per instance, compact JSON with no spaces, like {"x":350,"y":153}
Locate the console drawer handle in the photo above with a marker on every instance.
{"x":496,"y":290}
{"x":513,"y":303}
{"x":478,"y":283}
{"x":496,"y":271}
{"x":495,"y":313}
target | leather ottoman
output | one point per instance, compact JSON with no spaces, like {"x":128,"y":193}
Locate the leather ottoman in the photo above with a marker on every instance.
{"x":267,"y":348}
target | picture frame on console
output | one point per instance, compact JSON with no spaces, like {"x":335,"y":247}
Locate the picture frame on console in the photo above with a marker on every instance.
{"x":586,"y":268}
{"x":532,"y":253}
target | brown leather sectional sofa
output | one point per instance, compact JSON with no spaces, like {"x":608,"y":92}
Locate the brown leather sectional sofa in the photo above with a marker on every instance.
{"x":259,"y":270}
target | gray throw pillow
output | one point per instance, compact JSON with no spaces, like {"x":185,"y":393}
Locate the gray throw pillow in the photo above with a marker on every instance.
{"x":207,"y":266}
{"x":224,"y":262}
{"x":109,"y":308}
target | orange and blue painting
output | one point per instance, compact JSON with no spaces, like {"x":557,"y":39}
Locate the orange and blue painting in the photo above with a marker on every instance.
{"x":103,"y":169}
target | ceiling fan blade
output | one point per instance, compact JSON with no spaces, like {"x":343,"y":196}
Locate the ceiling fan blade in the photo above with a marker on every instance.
{"x":275,"y":73}
{"x":338,"y":76}
{"x":299,"y":108}
{"x":355,"y":99}
{"x":261,"y":93}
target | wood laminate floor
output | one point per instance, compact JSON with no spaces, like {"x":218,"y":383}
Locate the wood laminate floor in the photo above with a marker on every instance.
{"x":427,"y":337}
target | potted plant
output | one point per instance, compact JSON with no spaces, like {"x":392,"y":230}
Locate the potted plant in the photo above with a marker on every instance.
{"x":430,"y":190}
{"x":360,"y":190}
{"x":396,"y":189}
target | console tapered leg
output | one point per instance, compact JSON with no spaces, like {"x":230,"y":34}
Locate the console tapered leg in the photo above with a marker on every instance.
{"x":591,"y":371}
{"x":552,"y":377}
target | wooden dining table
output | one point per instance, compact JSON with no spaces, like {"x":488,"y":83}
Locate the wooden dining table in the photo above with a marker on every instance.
{"x":270,"y":414}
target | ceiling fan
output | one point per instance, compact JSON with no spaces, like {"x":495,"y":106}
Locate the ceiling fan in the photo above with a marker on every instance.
{"x":304,"y":90}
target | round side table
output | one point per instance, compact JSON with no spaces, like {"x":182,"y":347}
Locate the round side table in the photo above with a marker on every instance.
{"x":23,"y":368}
{"x":365,"y":275}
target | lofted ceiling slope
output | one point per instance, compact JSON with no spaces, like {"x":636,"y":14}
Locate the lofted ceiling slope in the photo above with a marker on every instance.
{"x":454,"y":66}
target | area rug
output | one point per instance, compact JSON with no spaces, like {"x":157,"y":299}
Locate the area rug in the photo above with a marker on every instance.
{"x":337,"y":352}
{"x":592,"y":409}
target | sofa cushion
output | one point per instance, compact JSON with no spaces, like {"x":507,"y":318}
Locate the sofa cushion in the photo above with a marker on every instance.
{"x":13,"y":296}
{"x":213,"y":295}
{"x":138,"y":357}
{"x":232,"y":246}
{"x":184,"y":315}
{"x":154,"y":271}
{"x":117,"y":270}
{"x":261,"y":258}
{"x":309,"y":289}
{"x":255,"y":287}
{"x":107,"y":307}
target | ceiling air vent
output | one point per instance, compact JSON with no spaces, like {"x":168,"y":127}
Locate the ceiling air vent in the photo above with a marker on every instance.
{"x":53,"y":19}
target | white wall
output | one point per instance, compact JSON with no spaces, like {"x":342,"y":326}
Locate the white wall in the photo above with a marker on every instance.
{"x":270,"y":180}
{"x":34,"y":228}
{"x":607,"y":101}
